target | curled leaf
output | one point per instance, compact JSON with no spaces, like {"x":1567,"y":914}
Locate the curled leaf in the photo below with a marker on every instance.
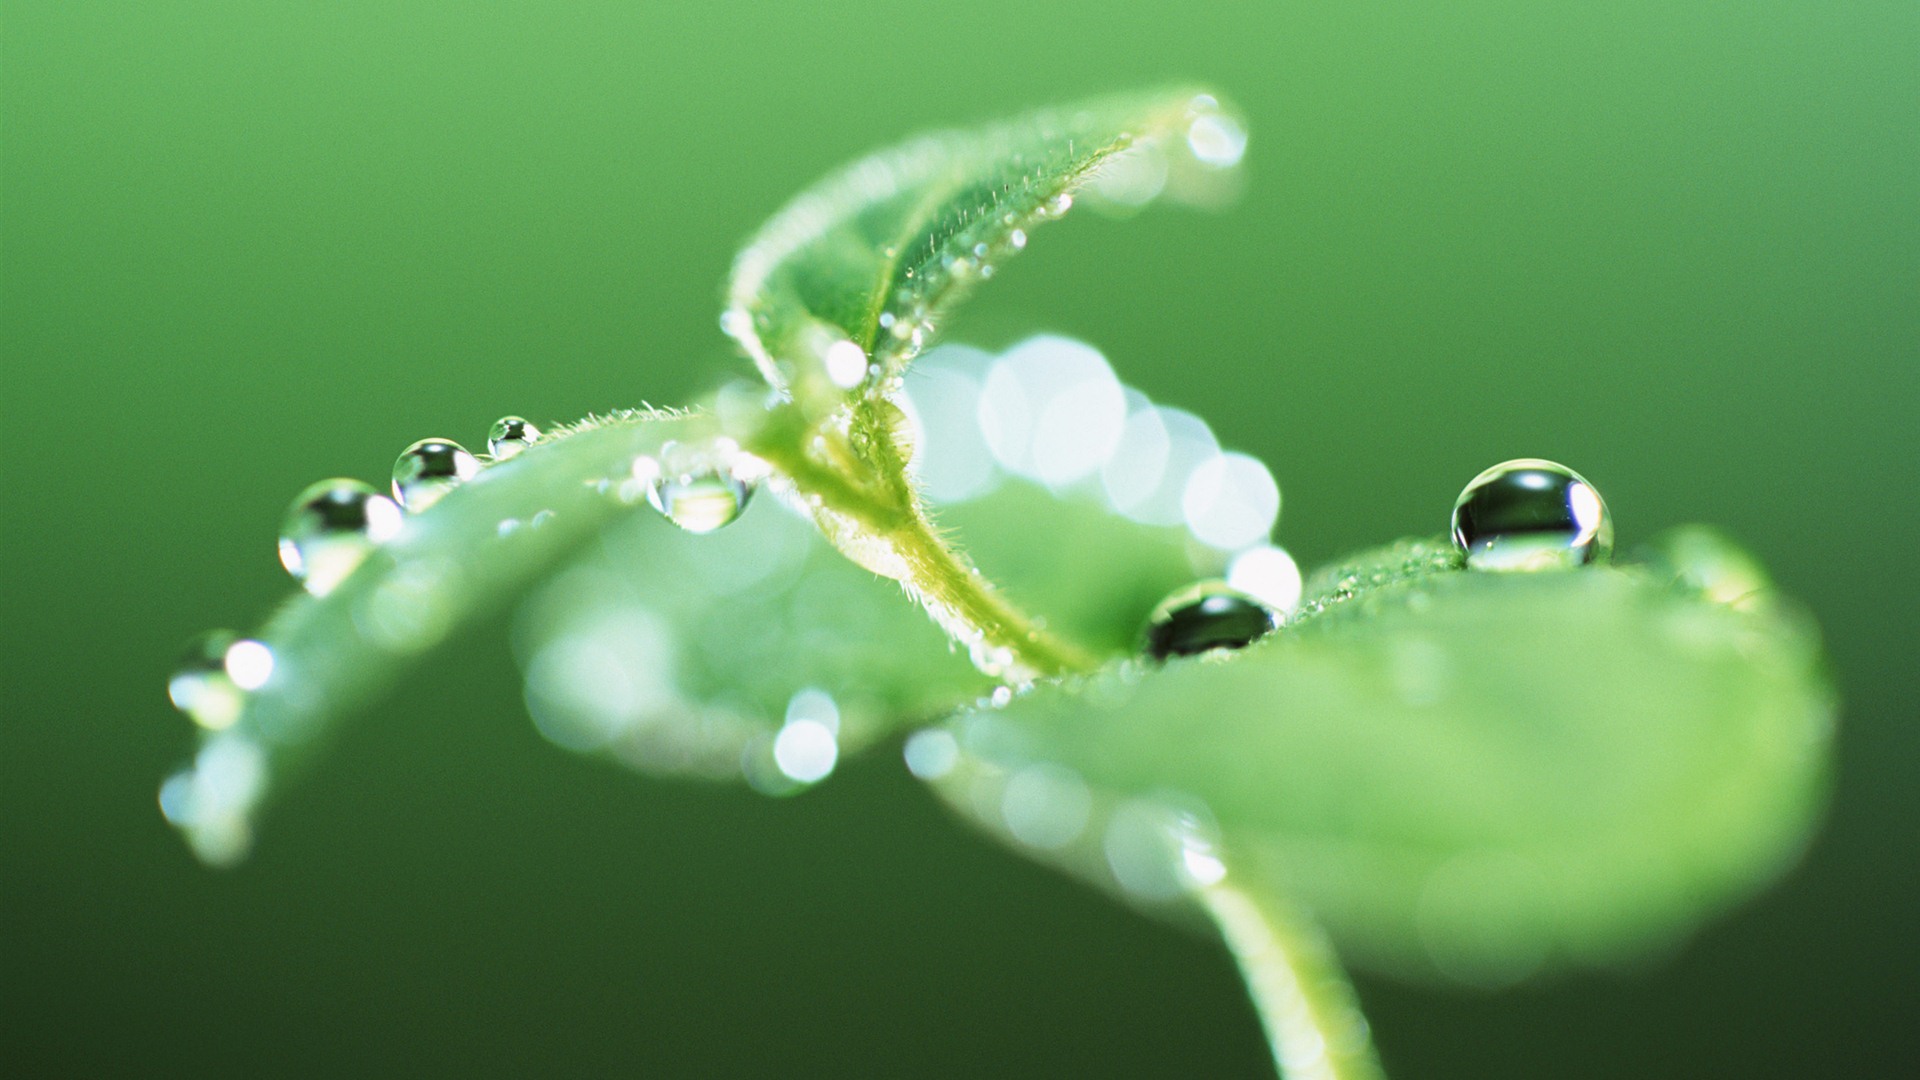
{"x":844,"y":286}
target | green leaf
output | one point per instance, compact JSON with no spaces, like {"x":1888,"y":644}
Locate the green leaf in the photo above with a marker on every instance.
{"x":873,"y":256}
{"x":667,"y":651}
{"x":465,"y":556}
{"x":1103,"y":612}
{"x":686,"y":654}
{"x":1462,"y":774}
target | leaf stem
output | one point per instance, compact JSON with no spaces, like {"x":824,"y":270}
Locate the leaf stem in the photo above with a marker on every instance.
{"x":1309,"y":1010}
{"x":881,"y":526}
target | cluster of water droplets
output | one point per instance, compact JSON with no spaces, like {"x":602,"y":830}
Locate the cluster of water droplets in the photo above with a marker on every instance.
{"x":212,"y":800}
{"x":328,"y":532}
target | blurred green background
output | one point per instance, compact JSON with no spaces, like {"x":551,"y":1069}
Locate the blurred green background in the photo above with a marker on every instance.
{"x":1673,"y":243}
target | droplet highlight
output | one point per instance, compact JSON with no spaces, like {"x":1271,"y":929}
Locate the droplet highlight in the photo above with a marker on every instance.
{"x":1206,"y":617}
{"x":1531,"y":514}
{"x":509,"y":435}
{"x":427,"y":470}
{"x":331,"y":528}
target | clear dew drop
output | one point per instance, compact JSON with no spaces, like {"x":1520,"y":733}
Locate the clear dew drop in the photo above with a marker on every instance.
{"x":201,"y":688}
{"x":1206,"y":617}
{"x":331,"y":528}
{"x":1531,"y":514}
{"x":430,"y":468}
{"x":698,"y":495}
{"x":509,"y":435}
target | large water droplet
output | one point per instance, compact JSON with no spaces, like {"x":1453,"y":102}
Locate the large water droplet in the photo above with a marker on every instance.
{"x":1531,"y":514}
{"x":694,"y":489}
{"x":330,"y":529}
{"x":201,"y":687}
{"x":509,"y":435}
{"x":429,"y":469}
{"x":1205,"y":617}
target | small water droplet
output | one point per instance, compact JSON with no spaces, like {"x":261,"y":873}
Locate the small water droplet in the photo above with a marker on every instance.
{"x":1531,"y":514}
{"x":805,"y":750}
{"x":693,"y":491}
{"x":330,"y":529}
{"x":509,"y":435}
{"x":249,"y":664}
{"x":931,"y":754}
{"x":429,"y":469}
{"x":1059,"y":204}
{"x":1205,"y":617}
{"x":1217,"y":140}
{"x":201,"y":688}
{"x":1017,"y":238}
{"x":846,"y":364}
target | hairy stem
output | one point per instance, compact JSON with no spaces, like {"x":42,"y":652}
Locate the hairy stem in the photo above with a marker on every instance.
{"x":1312,"y":1018}
{"x":884,"y":513}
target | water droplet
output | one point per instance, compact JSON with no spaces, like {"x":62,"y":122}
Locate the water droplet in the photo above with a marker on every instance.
{"x":1046,"y":806}
{"x":1269,"y":575}
{"x":330,"y":529}
{"x":201,"y":687}
{"x":211,"y":802}
{"x":806,"y":750}
{"x":429,"y":469}
{"x":846,"y":364}
{"x":509,"y":435}
{"x":1531,"y":514}
{"x":1217,"y":140}
{"x":693,"y":490}
{"x":249,"y":664}
{"x":931,"y":754}
{"x":1205,"y":617}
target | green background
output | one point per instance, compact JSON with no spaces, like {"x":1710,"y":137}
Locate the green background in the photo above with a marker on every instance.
{"x":248,"y":245}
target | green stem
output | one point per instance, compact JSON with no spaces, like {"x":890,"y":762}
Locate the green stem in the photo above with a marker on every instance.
{"x":1005,"y":641}
{"x":1311,"y":1016}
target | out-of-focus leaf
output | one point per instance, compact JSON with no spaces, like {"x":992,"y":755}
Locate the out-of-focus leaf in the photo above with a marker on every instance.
{"x":676,"y":653}
{"x":689,"y":654}
{"x":870,"y":258}
{"x":1462,"y":774}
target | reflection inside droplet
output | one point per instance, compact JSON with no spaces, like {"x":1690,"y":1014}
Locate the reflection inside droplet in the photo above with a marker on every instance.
{"x":1531,"y":514}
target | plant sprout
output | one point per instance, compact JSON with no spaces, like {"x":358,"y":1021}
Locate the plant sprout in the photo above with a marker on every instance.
{"x":1466,"y":758}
